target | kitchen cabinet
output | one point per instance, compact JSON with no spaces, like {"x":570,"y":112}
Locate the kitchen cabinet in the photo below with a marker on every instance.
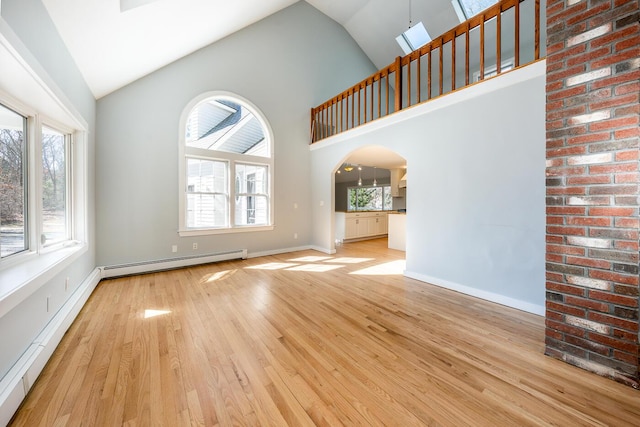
{"x":397,"y":182}
{"x":360,"y":225}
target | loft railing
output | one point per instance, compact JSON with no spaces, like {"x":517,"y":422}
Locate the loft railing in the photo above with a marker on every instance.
{"x":501,"y":38}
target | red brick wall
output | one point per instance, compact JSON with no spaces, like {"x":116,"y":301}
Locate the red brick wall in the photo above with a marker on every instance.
{"x":593,"y":111}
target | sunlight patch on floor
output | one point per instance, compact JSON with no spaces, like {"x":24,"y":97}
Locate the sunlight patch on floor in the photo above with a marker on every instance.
{"x":149,"y":313}
{"x":316,"y":268}
{"x":394,"y":267}
{"x":218,"y":275}
{"x":272,"y":266}
{"x":311,"y":259}
{"x":350,"y":260}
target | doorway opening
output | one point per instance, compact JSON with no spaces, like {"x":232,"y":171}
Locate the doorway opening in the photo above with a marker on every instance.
{"x":370,"y":198}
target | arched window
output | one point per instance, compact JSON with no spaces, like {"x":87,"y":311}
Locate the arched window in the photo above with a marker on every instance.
{"x":226,"y":163}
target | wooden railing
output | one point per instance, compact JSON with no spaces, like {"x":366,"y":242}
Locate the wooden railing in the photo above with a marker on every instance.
{"x":445,"y":64}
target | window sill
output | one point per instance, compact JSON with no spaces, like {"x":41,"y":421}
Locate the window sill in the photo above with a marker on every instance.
{"x":19,"y":281}
{"x":208,"y":231}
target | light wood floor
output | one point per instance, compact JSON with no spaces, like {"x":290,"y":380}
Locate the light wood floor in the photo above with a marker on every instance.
{"x":307,"y":339}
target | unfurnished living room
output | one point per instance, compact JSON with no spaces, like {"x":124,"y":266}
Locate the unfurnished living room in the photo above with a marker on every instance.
{"x":319,"y":213}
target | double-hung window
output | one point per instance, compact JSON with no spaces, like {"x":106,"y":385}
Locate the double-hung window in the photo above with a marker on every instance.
{"x":226,"y":167}
{"x":36,"y":210}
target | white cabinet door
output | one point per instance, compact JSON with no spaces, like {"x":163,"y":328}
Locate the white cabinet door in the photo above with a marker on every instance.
{"x":351,"y":228}
{"x":362,"y":225}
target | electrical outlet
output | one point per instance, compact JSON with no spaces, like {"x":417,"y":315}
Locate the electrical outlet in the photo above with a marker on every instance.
{"x":174,"y":248}
{"x":195,"y":246}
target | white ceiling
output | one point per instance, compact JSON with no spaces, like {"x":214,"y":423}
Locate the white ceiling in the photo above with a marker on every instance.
{"x":115,"y":42}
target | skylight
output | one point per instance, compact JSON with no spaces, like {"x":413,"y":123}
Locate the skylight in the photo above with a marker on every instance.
{"x":415,"y":37}
{"x":466,"y":9}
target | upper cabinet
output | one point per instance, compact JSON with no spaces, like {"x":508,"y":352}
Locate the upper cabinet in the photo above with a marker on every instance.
{"x":397,"y":181}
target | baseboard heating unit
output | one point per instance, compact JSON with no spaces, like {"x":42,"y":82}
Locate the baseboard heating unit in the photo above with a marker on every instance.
{"x":169,"y":263}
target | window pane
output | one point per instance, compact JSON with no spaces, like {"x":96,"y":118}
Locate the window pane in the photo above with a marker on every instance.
{"x":252,"y":210}
{"x":473,"y":7}
{"x":369,"y":198}
{"x":54,"y":187}
{"x":13,"y":236}
{"x":252,"y":202}
{"x":226,"y":125}
{"x":206,"y":176}
{"x":251,"y":179}
{"x":387,"y":203}
{"x":206,"y":210}
{"x":207,"y":194}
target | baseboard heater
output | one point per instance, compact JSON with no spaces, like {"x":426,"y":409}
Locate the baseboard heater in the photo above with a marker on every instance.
{"x":169,"y":263}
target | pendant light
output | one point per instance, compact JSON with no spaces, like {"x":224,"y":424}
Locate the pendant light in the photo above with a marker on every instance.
{"x":375,"y":183}
{"x":360,"y":175}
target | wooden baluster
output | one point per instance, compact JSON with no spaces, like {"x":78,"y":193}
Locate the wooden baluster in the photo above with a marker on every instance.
{"x":467,"y":51}
{"x":353,"y":110}
{"x":516,"y":61}
{"x":372,"y":98}
{"x":440,"y":68}
{"x":482,"y":48}
{"x":453,"y":62}
{"x":409,"y":82}
{"x":359,"y":107}
{"x":537,"y":30}
{"x":419,"y":79}
{"x":380,"y":97}
{"x":398,"y":94}
{"x":499,"y":42}
{"x":429,"y":73}
{"x":365,"y":101}
{"x":386,"y":79}
{"x":313,"y":122}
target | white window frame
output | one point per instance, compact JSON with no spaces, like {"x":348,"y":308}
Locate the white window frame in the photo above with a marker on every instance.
{"x":383,"y":186}
{"x":185,"y":152}
{"x":76,"y":184}
{"x":67,"y":133}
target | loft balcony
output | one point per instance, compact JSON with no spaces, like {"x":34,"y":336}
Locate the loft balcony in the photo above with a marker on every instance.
{"x":502,"y":38}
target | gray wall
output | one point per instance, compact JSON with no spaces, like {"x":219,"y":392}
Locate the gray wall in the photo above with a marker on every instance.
{"x":475,"y":187}
{"x":31,"y":23}
{"x":283,"y":64}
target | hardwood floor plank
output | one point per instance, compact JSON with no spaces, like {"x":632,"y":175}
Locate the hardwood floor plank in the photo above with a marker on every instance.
{"x":310,"y":339}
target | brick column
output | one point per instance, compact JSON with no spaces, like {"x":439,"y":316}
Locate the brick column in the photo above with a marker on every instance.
{"x":593,"y":108}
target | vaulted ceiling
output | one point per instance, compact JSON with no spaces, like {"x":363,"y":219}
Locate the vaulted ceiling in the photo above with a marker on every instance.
{"x":115,"y":42}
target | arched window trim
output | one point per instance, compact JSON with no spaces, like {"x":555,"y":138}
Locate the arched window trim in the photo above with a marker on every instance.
{"x":185,"y":153}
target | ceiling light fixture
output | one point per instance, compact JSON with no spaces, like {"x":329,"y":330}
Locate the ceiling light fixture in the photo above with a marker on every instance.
{"x":359,"y":175}
{"x":348,"y":168}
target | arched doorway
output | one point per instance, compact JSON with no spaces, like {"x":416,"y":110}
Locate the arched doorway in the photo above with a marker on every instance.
{"x":370,"y":195}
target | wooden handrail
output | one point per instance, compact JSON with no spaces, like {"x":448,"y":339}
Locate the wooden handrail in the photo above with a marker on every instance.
{"x":356,"y":105}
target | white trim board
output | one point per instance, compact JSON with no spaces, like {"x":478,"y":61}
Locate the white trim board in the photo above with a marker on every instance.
{"x":479,"y":293}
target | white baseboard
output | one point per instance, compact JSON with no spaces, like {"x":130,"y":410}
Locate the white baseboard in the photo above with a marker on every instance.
{"x":479,"y":293}
{"x":19,"y":380}
{"x":168,"y":264}
{"x":278,"y":251}
{"x":323,"y":250}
